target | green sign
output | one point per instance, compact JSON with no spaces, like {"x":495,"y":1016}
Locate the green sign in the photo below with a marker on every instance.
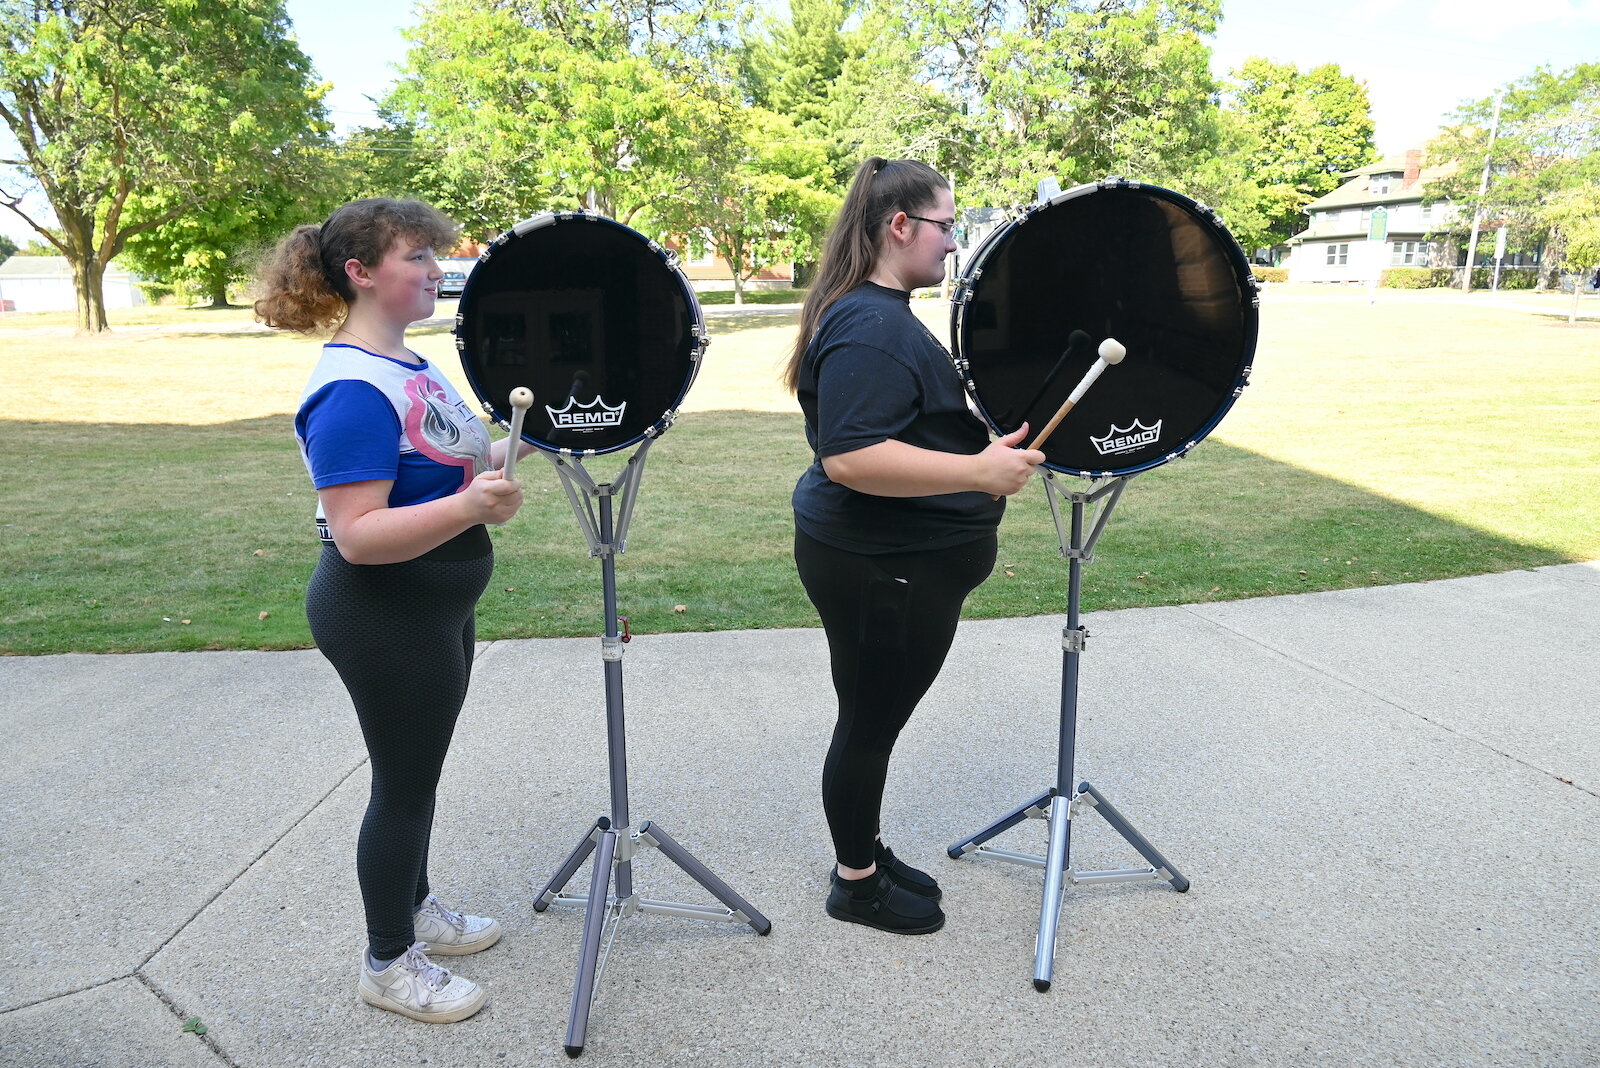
{"x":1379,"y":230}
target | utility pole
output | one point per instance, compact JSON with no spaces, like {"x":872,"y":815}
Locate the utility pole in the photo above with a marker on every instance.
{"x":1483,"y":187}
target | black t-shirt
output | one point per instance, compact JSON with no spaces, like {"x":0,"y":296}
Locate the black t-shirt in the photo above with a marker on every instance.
{"x":871,"y":373}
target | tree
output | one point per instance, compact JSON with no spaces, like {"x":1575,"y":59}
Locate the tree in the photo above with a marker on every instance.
{"x":1544,"y":156}
{"x":1307,"y":129}
{"x":8,"y":248}
{"x":1075,"y":89}
{"x":1576,"y":214}
{"x":129,"y":113}
{"x":210,"y":248}
{"x":759,"y":194}
{"x":521,"y":106}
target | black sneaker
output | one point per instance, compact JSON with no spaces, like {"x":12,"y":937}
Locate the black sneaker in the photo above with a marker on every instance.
{"x":887,"y":906}
{"x":905,"y":876}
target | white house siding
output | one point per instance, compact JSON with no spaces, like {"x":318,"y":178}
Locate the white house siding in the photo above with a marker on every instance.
{"x":44,"y":283}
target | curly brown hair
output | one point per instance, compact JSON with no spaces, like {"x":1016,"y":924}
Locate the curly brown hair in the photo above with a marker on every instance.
{"x":303,"y":277}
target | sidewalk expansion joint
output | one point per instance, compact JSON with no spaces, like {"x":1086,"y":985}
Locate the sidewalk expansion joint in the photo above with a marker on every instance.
{"x":1329,"y":673}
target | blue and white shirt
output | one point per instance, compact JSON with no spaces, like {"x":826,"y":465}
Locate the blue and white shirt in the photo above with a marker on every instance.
{"x":365,"y":417}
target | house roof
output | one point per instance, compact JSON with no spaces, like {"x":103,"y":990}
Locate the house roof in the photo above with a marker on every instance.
{"x":36,"y":266}
{"x":48,"y":267}
{"x":1353,"y":193}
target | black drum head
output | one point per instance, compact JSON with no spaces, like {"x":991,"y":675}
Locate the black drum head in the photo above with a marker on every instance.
{"x":1140,"y":264}
{"x":590,"y":316}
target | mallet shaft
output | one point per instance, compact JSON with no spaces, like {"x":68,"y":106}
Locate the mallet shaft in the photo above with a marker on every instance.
{"x":521,"y":401}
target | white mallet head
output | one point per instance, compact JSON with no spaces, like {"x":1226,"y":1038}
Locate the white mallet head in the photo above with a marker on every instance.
{"x":522,"y":396}
{"x":1112,"y":351}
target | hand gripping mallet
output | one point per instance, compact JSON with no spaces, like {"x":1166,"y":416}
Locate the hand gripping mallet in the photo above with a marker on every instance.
{"x":1111,"y":351}
{"x":521,"y":401}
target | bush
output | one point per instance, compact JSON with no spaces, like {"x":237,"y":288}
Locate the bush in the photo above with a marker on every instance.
{"x":1415,"y":277}
{"x":1270,"y":274}
{"x":1519,"y":278}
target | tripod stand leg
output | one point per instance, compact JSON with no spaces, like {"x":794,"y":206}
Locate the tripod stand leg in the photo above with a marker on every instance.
{"x":1109,"y":812}
{"x":594,"y":918}
{"x":1022,"y":812}
{"x":724,"y":893}
{"x":1055,"y":868}
{"x":575,"y":859}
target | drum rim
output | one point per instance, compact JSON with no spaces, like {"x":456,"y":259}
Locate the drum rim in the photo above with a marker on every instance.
{"x":500,"y":414}
{"x":1250,"y":308}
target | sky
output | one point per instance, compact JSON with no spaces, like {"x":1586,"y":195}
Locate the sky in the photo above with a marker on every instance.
{"x":1420,"y":59}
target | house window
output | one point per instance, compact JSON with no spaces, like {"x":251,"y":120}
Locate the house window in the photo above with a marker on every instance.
{"x":1378,"y":184}
{"x":1339,"y":255}
{"x":701,"y":251}
{"x":1408,"y":254}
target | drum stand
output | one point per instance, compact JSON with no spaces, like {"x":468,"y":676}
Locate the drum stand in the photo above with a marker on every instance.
{"x":1061,"y":802}
{"x":613,"y":840}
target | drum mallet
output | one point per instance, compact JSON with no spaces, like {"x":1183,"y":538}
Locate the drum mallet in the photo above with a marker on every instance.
{"x":1111,"y":351}
{"x":521,"y":401}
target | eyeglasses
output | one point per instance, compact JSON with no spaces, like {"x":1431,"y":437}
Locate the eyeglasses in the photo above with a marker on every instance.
{"x":946,"y":227}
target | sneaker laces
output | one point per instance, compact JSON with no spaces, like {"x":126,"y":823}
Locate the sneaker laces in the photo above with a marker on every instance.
{"x":414,"y":960}
{"x":454,"y":919}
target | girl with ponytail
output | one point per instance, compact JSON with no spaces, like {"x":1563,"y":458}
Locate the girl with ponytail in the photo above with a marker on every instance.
{"x":405,"y":479}
{"x":895,"y":519}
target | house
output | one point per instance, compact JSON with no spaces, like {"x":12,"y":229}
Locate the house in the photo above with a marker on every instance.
{"x":1374,"y":221}
{"x":44,"y":283}
{"x":706,"y":271}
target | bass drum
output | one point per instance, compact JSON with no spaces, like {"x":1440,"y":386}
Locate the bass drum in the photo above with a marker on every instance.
{"x":1118,"y":259}
{"x":593,"y":317}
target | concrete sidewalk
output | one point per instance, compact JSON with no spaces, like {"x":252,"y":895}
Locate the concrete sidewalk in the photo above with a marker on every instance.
{"x":1388,"y":801}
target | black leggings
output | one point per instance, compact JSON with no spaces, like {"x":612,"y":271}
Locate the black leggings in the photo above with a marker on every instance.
{"x":401,"y":637}
{"x":890,"y":619}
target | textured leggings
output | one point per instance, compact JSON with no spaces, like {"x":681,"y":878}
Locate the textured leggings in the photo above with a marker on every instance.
{"x":401,"y":637}
{"x":890,"y":620}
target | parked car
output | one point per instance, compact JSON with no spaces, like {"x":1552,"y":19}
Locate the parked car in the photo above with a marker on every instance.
{"x":453,"y":282}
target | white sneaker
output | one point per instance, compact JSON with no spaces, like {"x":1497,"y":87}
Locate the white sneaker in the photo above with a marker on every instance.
{"x":413,"y":986}
{"x":450,"y":934}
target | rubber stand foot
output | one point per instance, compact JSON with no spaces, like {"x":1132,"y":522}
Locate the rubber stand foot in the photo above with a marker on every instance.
{"x":573,"y":1051}
{"x":1041,"y":985}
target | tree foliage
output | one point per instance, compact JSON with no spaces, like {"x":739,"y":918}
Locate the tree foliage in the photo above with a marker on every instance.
{"x":1301,"y":131}
{"x":1072,"y":89}
{"x":1544,"y":162}
{"x":758,"y":194}
{"x":520,"y":106}
{"x":129,"y":113}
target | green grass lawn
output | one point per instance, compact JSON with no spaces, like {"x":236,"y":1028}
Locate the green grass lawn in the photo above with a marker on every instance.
{"x":153,"y":498}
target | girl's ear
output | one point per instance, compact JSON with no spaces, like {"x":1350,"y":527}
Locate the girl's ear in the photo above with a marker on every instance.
{"x":899,"y":226}
{"x":358,"y":274}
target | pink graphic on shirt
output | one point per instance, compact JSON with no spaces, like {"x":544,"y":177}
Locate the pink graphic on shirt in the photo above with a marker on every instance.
{"x":436,"y":429}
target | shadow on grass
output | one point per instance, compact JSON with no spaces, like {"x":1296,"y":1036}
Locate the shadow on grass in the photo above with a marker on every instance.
{"x":201,"y":538}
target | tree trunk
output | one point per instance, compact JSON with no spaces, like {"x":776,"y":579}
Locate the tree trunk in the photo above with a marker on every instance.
{"x":88,"y":279}
{"x":215,"y":286}
{"x":738,"y":289}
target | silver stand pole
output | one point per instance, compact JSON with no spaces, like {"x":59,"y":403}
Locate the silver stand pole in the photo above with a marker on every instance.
{"x":1059,"y":804}
{"x":614,"y":840}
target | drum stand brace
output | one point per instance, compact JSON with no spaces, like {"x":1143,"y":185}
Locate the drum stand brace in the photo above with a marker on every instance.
{"x":613,"y":840}
{"x":1061,"y":802}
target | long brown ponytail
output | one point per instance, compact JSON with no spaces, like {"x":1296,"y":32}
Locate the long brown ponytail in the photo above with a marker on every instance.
{"x":879,"y":189}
